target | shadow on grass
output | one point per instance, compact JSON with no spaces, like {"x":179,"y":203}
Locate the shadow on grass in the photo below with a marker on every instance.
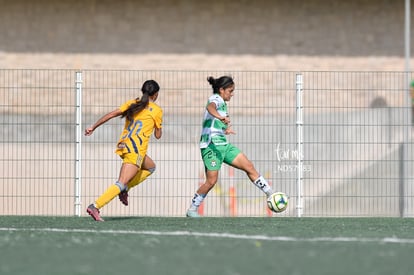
{"x":126,"y":218}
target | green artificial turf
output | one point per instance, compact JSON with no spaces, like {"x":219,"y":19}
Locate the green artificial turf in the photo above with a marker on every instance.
{"x":156,"y":245}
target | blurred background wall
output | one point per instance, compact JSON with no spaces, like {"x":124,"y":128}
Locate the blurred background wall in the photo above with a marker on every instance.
{"x":185,"y":34}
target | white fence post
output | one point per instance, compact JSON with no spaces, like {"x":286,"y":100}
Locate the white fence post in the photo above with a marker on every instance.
{"x":405,"y":151}
{"x":78,"y":144}
{"x":299,"y":142}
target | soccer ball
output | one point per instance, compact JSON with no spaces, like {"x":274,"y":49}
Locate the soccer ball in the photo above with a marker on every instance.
{"x":277,"y":202}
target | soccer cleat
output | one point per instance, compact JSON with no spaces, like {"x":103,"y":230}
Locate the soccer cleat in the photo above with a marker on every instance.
{"x":192,"y":213}
{"x":94,"y":212}
{"x":123,"y":197}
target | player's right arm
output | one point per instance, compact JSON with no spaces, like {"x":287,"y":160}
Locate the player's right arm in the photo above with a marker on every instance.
{"x":212,"y":109}
{"x":102,"y":120}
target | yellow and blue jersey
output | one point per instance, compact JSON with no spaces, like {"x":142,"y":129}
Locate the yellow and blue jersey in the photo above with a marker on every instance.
{"x":137,"y":132}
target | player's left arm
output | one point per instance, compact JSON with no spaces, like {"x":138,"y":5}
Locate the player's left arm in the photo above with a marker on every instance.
{"x":157,"y":133}
{"x":229,"y":131}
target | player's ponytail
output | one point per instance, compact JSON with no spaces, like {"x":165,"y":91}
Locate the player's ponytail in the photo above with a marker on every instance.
{"x":149,"y":88}
{"x":222,"y":82}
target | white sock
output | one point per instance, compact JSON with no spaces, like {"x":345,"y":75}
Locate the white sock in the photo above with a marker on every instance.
{"x":197,"y":200}
{"x":263,"y":185}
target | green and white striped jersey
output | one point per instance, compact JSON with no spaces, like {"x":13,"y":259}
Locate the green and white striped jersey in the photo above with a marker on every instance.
{"x":213,"y":128}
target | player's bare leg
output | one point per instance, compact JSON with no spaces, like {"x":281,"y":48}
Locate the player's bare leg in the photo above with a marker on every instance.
{"x":243,"y":163}
{"x":147,"y":168}
{"x":211,"y":180}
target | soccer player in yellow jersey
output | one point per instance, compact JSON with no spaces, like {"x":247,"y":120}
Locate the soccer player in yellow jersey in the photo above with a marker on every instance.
{"x":142,"y":118}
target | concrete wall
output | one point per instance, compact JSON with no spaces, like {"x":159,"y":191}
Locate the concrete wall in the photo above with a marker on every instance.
{"x":261,"y":28}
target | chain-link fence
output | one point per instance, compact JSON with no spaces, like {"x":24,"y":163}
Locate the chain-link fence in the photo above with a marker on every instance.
{"x":356,"y":135}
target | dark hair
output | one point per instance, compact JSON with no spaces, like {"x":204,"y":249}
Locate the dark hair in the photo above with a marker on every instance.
{"x":149,"y":88}
{"x":221,"y":82}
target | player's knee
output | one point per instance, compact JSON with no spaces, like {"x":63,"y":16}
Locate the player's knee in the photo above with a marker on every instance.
{"x":152,"y":169}
{"x":211,"y":183}
{"x":249,"y":167}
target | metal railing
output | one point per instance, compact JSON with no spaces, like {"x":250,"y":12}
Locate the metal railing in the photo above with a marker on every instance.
{"x":338,"y":143}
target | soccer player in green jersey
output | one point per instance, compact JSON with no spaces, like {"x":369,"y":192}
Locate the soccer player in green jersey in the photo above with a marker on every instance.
{"x":215,"y":149}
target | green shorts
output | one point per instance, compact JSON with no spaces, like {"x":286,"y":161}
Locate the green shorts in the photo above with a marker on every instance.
{"x":214,"y":155}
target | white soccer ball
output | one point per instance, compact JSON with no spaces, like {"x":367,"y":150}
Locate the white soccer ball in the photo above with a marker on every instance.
{"x":277,"y":202}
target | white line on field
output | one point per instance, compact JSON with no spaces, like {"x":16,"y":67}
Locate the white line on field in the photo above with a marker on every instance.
{"x":219,"y":235}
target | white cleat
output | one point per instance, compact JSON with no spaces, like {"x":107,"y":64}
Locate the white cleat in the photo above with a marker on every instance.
{"x":192,"y":214}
